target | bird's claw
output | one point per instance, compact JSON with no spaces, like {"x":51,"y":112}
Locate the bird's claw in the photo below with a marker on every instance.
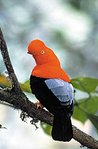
{"x":38,"y":105}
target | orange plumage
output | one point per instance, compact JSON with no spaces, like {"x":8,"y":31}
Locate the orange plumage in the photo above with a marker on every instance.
{"x":47,"y":63}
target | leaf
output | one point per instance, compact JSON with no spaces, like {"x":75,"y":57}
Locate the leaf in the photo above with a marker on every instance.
{"x":4,"y":81}
{"x":79,"y":115}
{"x":85,"y":84}
{"x":89,"y":105}
{"x":93,"y":119}
{"x":26,"y":86}
{"x":46,"y":128}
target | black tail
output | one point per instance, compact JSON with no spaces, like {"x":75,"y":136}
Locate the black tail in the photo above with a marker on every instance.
{"x":62,"y":128}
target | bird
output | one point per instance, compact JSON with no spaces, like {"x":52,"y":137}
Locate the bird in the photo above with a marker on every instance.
{"x":52,"y":87}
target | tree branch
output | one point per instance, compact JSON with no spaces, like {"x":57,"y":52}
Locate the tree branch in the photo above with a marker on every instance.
{"x":17,"y":98}
{"x":6,"y":59}
{"x":21,"y":102}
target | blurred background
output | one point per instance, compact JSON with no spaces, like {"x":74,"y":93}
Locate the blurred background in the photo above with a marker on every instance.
{"x":70,"y":28}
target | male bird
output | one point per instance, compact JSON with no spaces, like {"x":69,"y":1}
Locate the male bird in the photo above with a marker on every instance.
{"x":51,"y":86}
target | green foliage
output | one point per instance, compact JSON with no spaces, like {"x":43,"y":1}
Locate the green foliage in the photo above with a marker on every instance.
{"x":75,"y":3}
{"x":79,"y":114}
{"x":46,"y":128}
{"x":84,"y":108}
{"x":5,"y":82}
{"x":94,"y":120}
{"x":85,"y":84}
{"x":25,"y":86}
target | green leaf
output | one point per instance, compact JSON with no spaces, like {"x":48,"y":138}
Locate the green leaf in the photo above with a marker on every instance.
{"x":85,"y":84}
{"x":26,"y":86}
{"x":46,"y":128}
{"x":79,"y":114}
{"x":89,"y":105}
{"x":93,"y":119}
{"x":4,"y":81}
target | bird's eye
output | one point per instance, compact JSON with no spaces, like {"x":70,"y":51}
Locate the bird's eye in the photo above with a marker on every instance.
{"x":42,"y":51}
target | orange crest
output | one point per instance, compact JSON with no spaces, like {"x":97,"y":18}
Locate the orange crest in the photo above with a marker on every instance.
{"x":47,"y":63}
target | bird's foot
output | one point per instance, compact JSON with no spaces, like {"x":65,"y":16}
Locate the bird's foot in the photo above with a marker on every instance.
{"x":39,"y":105}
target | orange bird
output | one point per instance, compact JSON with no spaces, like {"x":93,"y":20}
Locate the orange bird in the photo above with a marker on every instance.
{"x":51,"y":86}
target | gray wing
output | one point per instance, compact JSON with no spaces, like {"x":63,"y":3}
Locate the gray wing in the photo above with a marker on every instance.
{"x":62,"y":90}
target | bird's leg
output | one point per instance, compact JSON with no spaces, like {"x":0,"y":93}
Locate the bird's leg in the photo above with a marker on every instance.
{"x":38,"y":105}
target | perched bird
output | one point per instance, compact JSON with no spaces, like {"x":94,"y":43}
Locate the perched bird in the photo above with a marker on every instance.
{"x":51,"y":86}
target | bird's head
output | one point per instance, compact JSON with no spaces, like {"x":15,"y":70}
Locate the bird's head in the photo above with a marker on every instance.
{"x":41,"y":53}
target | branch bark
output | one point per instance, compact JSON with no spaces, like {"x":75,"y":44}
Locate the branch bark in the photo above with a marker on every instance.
{"x":6,"y":59}
{"x":18,"y":99}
